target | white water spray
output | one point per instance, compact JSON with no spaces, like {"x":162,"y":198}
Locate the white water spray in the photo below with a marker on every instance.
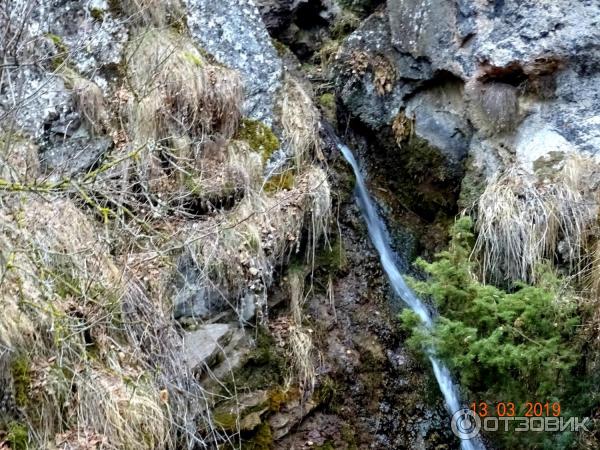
{"x":380,"y":239}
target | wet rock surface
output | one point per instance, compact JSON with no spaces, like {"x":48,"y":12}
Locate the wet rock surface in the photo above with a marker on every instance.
{"x":377,"y":395}
{"x":434,"y":97}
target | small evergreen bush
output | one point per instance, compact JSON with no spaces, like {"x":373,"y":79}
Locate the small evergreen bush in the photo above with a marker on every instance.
{"x":514,"y":346}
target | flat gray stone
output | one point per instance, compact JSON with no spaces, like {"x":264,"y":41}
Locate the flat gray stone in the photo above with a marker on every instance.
{"x":201,"y":347}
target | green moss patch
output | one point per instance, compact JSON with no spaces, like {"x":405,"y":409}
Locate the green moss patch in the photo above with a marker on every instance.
{"x":61,"y":51}
{"x":259,"y":137}
{"x":194,"y":59}
{"x":284,"y":181}
{"x":17,"y":436}
{"x":262,"y":439}
{"x":97,"y":14}
{"x":332,"y":258}
{"x":264,"y":368}
{"x":21,"y":375}
{"x":328,"y":106}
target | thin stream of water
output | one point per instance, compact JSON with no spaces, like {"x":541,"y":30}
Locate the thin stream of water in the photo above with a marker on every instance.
{"x":379,"y":237}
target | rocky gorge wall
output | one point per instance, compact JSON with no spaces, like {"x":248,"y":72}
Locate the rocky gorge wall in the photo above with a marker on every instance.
{"x":183,"y":264}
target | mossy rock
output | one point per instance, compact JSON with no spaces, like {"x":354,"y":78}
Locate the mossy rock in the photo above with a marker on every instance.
{"x":348,"y":436}
{"x":548,"y":165}
{"x":280,"y":47}
{"x":226,"y":420}
{"x":327,"y":394}
{"x":333,"y":258}
{"x":264,"y":368}
{"x":471,"y":188}
{"x":284,"y":181}
{"x":346,"y":23}
{"x":61,"y":49}
{"x":259,"y":137}
{"x":97,"y":14}
{"x":262,"y":439}
{"x":328,"y":106}
{"x":360,"y":7}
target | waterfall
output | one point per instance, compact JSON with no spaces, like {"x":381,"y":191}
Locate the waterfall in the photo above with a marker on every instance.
{"x":379,"y":237}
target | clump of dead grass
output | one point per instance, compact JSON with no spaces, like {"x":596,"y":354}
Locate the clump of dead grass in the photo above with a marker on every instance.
{"x":523,"y":221}
{"x":300,"y":121}
{"x":181,"y":112}
{"x":150,"y":12}
{"x":299,"y":340}
{"x":19,"y":160}
{"x":235,"y":256}
{"x":177,"y":90}
{"x":96,"y":356}
{"x":88,"y":99}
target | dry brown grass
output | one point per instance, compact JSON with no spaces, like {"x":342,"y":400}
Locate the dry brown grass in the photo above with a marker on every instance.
{"x":177,"y":91}
{"x":151,"y":12}
{"x":95,"y":338}
{"x":88,"y":100}
{"x":384,"y":75}
{"x":300,"y":122}
{"x":300,"y":342}
{"x":523,"y":221}
{"x":180,"y":114}
{"x":19,"y":160}
{"x":98,"y":358}
{"x":237,"y":254}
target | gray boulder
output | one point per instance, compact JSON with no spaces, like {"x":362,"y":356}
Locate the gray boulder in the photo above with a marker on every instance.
{"x":234,"y":33}
{"x":372,"y":77}
{"x":45,"y":37}
{"x":439,"y":116}
{"x":203,"y":348}
{"x":69,"y":156}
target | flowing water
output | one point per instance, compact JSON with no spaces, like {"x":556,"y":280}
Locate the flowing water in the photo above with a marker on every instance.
{"x":379,"y":237}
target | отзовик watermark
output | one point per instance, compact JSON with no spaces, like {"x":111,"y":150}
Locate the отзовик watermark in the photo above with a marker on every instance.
{"x":466,"y":424}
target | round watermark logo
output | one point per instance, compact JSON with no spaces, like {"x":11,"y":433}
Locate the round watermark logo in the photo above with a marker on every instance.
{"x":465,"y":424}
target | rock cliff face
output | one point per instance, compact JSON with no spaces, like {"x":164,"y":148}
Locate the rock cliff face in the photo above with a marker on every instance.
{"x":501,"y":82}
{"x":172,"y":275}
{"x":145,"y":129}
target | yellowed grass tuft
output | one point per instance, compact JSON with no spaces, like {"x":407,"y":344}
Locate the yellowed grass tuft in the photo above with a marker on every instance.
{"x":299,"y":340}
{"x":523,"y":221}
{"x":94,"y":354}
{"x":151,"y":12}
{"x":19,"y":160}
{"x":300,"y":121}
{"x":88,"y":99}
{"x":237,"y":256}
{"x":177,"y":91}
